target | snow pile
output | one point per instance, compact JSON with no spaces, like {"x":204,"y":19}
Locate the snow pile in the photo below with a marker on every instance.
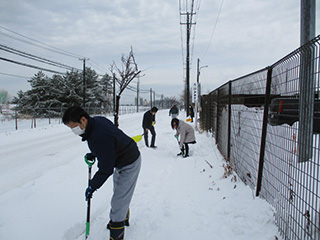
{"x":43,"y":178}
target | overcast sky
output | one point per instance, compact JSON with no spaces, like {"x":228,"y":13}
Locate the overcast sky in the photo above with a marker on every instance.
{"x":232,"y":37}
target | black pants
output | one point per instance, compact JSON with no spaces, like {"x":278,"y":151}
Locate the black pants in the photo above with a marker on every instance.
{"x":153,"y":139}
{"x":185,"y":148}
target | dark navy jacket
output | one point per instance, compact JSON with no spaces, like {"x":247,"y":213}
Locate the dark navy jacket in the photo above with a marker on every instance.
{"x":111,"y":146}
{"x":148,"y":118}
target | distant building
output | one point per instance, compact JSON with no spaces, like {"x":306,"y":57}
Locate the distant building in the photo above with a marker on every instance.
{"x":140,"y":101}
{"x":145,"y":102}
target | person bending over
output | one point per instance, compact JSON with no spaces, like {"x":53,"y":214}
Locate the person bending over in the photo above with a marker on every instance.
{"x":117,"y":154}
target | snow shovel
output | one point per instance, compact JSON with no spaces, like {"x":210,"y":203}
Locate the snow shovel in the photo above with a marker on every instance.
{"x":176,"y":137}
{"x":90,"y":159}
{"x":137,"y":138}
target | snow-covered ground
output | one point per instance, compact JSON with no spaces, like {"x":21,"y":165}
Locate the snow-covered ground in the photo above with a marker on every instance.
{"x":43,"y":178}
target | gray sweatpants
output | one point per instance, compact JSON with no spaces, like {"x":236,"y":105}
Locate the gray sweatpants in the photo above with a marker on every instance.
{"x":124,"y":182}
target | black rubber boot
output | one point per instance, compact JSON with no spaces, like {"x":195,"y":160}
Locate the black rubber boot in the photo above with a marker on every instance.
{"x":186,"y":152}
{"x":126,"y":222}
{"x":116,"y":230}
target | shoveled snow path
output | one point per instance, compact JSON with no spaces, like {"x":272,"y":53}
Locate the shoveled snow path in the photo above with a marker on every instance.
{"x":43,"y":179}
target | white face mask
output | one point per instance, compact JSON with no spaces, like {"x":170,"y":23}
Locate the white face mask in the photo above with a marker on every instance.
{"x":77,"y":130}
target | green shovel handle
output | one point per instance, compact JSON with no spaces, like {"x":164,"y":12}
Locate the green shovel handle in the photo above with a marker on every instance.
{"x":89,"y":159}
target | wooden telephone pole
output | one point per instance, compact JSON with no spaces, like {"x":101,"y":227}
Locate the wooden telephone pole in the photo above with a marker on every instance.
{"x":188,"y":22}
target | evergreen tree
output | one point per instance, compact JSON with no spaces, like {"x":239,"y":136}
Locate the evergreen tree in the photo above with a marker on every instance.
{"x":92,"y":90}
{"x":48,"y":96}
{"x":20,"y":100}
{"x":72,"y":89}
{"x":55,"y":95}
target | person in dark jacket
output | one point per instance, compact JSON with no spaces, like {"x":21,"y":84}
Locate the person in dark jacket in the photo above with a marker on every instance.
{"x":116,"y":154}
{"x":174,"y":112}
{"x":191,"y":113}
{"x":148,"y":125}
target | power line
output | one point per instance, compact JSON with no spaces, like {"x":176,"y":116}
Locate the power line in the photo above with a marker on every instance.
{"x":19,"y":37}
{"x":40,"y":44}
{"x":36,"y":58}
{"x":95,"y":63}
{"x":31,"y":66}
{"x":24,"y":39}
{"x":134,"y":89}
{"x":13,"y":75}
{"x":158,"y":95}
{"x":213,"y":30}
{"x":197,"y":7}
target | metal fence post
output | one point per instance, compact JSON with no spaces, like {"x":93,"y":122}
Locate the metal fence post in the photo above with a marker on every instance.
{"x":229,"y":121}
{"x":217,"y":114}
{"x":264,"y":130}
{"x":16,"y":119}
{"x":306,"y":103}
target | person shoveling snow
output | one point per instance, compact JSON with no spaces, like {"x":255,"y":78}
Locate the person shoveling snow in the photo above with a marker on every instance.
{"x":117,"y":154}
{"x":186,"y":133}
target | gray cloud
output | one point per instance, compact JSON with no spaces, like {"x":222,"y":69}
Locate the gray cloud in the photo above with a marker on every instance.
{"x":249,"y":35}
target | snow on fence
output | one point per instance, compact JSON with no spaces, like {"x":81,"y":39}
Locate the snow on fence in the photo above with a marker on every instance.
{"x":255,"y":122}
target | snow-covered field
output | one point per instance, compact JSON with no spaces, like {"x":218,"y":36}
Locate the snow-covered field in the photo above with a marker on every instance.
{"x":43,"y":178}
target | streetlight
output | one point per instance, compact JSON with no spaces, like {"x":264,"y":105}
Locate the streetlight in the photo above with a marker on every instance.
{"x":198,"y":92}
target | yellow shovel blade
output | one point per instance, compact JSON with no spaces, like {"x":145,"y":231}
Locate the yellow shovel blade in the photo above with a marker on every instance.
{"x":137,"y":138}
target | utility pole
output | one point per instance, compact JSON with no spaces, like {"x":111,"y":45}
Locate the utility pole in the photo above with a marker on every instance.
{"x":198,"y":92}
{"x":114,"y":96}
{"x":188,"y":65}
{"x":150,"y":98}
{"x":84,"y":80}
{"x":197,"y":89}
{"x":162,"y":101}
{"x":138,"y":93}
{"x":189,"y":24}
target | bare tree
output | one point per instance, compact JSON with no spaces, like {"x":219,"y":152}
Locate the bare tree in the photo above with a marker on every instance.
{"x":123,"y":76}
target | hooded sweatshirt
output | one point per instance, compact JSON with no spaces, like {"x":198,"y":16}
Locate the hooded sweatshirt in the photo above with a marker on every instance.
{"x":111,"y":146}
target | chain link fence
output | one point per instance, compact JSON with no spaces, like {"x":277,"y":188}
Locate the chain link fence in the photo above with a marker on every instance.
{"x":266,"y":125}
